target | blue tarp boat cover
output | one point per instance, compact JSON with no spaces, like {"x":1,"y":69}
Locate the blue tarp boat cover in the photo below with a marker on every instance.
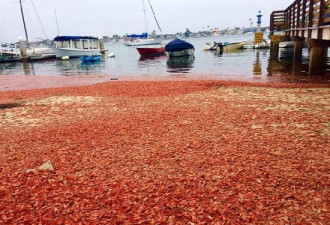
{"x":68,"y":38}
{"x":178,"y":45}
{"x":143,"y":35}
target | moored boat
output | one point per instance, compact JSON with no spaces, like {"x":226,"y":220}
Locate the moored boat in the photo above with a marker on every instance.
{"x":233,"y":45}
{"x":178,"y":48}
{"x":12,"y":52}
{"x":24,"y":50}
{"x":151,"y":50}
{"x":76,"y":46}
{"x":249,"y":45}
{"x":229,"y":46}
{"x":210,"y":47}
{"x":142,"y":40}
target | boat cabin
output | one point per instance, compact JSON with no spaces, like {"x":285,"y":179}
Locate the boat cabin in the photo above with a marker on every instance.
{"x":77,"y":42}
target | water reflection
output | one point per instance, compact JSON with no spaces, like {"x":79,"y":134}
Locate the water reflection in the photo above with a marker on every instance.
{"x":77,"y":67}
{"x":257,"y":70}
{"x":296,"y":70}
{"x":221,"y":53}
{"x":151,"y":58}
{"x":151,"y":61}
{"x":285,"y":64}
{"x":28,"y":68}
{"x":233,"y":51}
{"x":180,"y":64}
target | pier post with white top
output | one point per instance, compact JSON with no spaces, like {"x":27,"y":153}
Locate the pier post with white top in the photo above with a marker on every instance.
{"x":101,"y":44}
{"x":22,"y":47}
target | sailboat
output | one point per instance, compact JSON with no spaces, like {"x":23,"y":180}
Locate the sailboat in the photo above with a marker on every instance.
{"x":35,"y":53}
{"x":143,"y":39}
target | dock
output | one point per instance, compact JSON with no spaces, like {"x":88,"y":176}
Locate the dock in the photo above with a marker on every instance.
{"x":303,"y":21}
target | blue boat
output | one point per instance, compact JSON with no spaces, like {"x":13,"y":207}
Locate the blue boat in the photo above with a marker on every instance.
{"x":178,"y":48}
{"x":92,"y":58}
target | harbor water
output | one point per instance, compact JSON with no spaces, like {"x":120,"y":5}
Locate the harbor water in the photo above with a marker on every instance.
{"x":242,"y":65}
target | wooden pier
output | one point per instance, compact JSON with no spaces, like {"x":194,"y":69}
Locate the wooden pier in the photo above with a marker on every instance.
{"x":303,"y":21}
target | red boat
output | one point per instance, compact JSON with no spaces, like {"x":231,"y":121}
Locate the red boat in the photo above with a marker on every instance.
{"x":150,"y":50}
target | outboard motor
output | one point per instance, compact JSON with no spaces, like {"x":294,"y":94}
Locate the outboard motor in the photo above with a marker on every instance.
{"x":220,"y":46}
{"x":219,"y":49}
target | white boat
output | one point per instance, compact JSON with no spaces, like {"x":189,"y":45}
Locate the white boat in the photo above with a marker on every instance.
{"x":233,"y":46}
{"x":143,"y":39}
{"x":32,"y":53}
{"x":76,"y":46}
{"x":210,"y":47}
{"x":286,"y":44}
{"x":36,"y":53}
{"x":141,"y":42}
{"x":249,"y":46}
{"x":230,"y":46}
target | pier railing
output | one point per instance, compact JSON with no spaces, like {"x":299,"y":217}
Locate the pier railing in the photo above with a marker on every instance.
{"x":303,"y":18}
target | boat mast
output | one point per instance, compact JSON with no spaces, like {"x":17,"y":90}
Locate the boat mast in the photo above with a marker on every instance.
{"x":58,"y":30}
{"x":145,"y":16}
{"x":26,"y":34}
{"x":152,"y":9}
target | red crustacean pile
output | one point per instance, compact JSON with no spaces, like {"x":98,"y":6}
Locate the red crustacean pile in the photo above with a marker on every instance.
{"x":185,"y":152}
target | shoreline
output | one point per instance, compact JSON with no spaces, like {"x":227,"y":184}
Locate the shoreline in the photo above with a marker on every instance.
{"x":30,"y":82}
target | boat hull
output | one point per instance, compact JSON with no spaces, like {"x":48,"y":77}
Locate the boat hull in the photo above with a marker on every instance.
{"x":152,"y":50}
{"x":249,"y":46}
{"x":10,"y":58}
{"x":74,"y":53}
{"x":187,"y":52}
{"x":233,"y":46}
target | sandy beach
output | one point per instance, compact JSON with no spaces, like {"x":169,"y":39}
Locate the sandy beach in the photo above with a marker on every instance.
{"x":163,"y":152}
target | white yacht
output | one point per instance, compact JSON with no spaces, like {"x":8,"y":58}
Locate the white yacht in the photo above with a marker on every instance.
{"x":142,"y":42}
{"x":76,"y":46}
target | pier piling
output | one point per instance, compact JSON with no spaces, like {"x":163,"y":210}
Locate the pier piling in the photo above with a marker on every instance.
{"x":101,"y":44}
{"x":298,"y":47}
{"x":318,"y":53}
{"x":274,"y":50}
{"x":23,"y":49}
{"x":305,"y":19}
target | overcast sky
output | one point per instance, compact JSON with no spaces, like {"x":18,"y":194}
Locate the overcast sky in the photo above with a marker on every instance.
{"x":108,"y":17}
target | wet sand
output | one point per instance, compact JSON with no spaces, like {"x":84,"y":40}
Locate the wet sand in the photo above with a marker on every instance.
{"x":164,"y":152}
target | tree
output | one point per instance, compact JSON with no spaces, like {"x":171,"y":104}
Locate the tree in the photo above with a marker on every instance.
{"x":187,"y":33}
